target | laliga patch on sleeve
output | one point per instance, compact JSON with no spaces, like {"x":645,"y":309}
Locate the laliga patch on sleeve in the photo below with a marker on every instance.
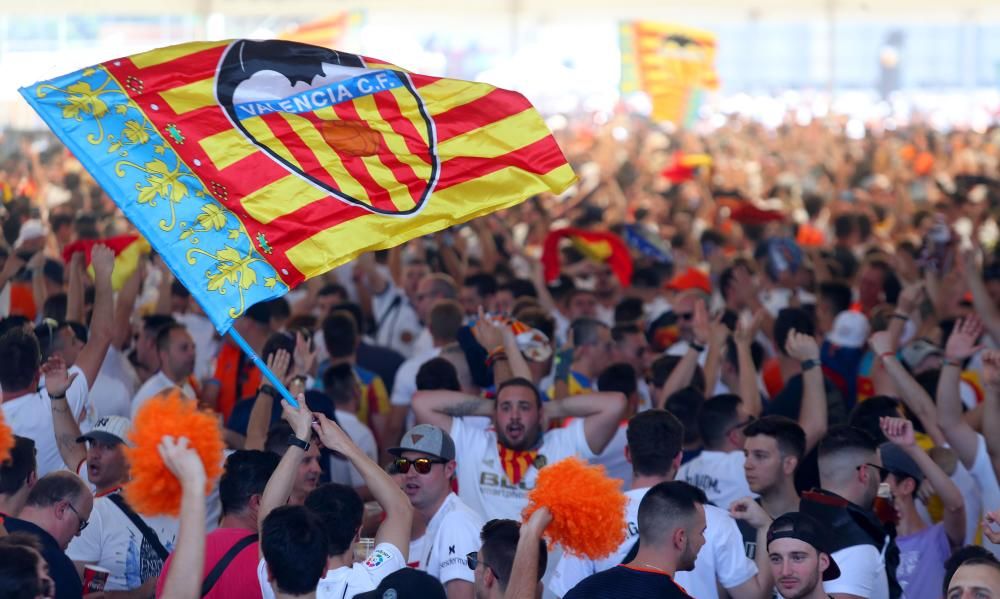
{"x":377,"y":558}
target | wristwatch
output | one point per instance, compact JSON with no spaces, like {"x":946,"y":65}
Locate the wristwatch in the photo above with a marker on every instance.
{"x":294,"y":441}
{"x":268,"y":390}
{"x":808,"y":364}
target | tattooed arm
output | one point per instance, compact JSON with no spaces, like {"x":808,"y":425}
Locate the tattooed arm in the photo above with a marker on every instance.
{"x":439,"y":407}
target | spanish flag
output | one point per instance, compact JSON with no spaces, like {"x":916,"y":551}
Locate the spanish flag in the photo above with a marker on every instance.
{"x":128,"y":249}
{"x":251,"y":166}
{"x":598,"y":246}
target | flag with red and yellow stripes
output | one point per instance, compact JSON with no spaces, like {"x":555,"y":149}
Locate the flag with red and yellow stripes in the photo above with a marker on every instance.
{"x":328,"y":31}
{"x":251,"y":166}
{"x":672,"y":64}
{"x":128,"y":249}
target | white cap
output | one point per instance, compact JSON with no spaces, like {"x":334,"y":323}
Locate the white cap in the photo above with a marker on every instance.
{"x":110,"y":429}
{"x":30,"y":229}
{"x":850,"y":329}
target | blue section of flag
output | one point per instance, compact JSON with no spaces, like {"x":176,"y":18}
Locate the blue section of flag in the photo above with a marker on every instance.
{"x":201,"y":241}
{"x":321,"y":97}
{"x":637,"y":241}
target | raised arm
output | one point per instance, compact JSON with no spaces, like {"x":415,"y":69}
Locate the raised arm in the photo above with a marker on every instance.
{"x":124,"y":305}
{"x":601,"y":413}
{"x":524,"y":574}
{"x":260,"y":414}
{"x":67,"y":431}
{"x":395,"y":529}
{"x":762,"y":583}
{"x":900,"y":432}
{"x":189,"y":552}
{"x":718,"y":334}
{"x":748,"y":387}
{"x":991,"y":406}
{"x":75,"y":311}
{"x":907,"y":388}
{"x":986,"y":309}
{"x":961,"y":345}
{"x":279,"y":486}
{"x":439,"y":407}
{"x":93,"y":353}
{"x":813,"y":411}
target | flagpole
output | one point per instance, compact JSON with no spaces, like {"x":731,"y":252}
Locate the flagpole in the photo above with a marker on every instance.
{"x":275,"y":381}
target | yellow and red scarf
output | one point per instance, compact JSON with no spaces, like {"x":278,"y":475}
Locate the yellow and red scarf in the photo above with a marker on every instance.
{"x":516,"y":462}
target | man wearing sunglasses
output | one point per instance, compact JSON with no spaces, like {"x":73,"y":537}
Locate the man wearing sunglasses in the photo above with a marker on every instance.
{"x":447,"y":529}
{"x":850,"y":471}
{"x":58,"y":509}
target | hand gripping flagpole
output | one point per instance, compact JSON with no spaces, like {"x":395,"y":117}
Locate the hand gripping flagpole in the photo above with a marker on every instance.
{"x":275,"y":381}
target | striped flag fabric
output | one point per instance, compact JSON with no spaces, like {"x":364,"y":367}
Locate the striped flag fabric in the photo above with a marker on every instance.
{"x":251,"y":166}
{"x":128,"y":249}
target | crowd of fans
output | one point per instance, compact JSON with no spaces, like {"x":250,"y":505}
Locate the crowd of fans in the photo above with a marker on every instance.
{"x":793,"y":370}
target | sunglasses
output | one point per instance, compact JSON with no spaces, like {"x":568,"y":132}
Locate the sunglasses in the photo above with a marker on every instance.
{"x":685,"y":316}
{"x":83,"y":522}
{"x":421,"y":465}
{"x":882,"y":472}
{"x":472,"y":560}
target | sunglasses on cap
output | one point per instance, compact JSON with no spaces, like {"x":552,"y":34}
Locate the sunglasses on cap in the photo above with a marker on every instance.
{"x":421,"y":465}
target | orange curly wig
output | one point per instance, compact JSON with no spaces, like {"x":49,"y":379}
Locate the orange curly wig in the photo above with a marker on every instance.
{"x":6,"y":440}
{"x":588,"y":508}
{"x":154,"y":490}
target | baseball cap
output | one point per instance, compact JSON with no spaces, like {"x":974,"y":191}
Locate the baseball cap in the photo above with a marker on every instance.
{"x":918,"y":351}
{"x":407,"y":583}
{"x":428,"y":439}
{"x":850,"y":329}
{"x":797,"y":525}
{"x":692,"y":278}
{"x":896,"y":461}
{"x":30,"y":229}
{"x":110,"y":429}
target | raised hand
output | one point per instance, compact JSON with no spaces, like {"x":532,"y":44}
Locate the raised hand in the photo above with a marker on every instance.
{"x":898,"y":431}
{"x":57,"y":377}
{"x":182,"y":461}
{"x":103,"y":260}
{"x":718,"y":332}
{"x":487,"y":333}
{"x":747,"y":330}
{"x":300,"y":418}
{"x":962,"y":342}
{"x":700,"y":324}
{"x":801,"y":347}
{"x":331,"y":435}
{"x":991,"y":368}
{"x":278,"y":363}
{"x":991,"y":526}
{"x":750,"y":511}
{"x":909,"y":298}
{"x":305,"y":355}
{"x":882,"y":343}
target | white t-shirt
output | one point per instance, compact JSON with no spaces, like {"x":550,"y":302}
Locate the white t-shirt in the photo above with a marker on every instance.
{"x":31,"y":416}
{"x":451,"y":534}
{"x":482,"y":482}
{"x":111,"y":541}
{"x":155,"y":384}
{"x":613,"y":458}
{"x":719,"y":474}
{"x":986,"y":478}
{"x":206,"y":342}
{"x":405,"y":384}
{"x":115,"y":386}
{"x":397,"y":322}
{"x":862,"y":573}
{"x":341,"y":469}
{"x":344,"y":583}
{"x":721,"y":559}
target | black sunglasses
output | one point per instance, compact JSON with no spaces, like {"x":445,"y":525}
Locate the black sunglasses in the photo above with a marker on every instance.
{"x":83,"y":522}
{"x":685,"y":316}
{"x":882,"y":472}
{"x":472,"y":560}
{"x":421,"y":465}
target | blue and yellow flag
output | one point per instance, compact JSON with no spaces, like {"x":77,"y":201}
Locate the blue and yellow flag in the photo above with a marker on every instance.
{"x":251,"y":166}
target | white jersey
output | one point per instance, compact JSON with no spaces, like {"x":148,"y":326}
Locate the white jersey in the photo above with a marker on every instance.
{"x":451,"y":534}
{"x":863,"y":574}
{"x":613,"y":458}
{"x":31,"y":416}
{"x":341,"y":469}
{"x":344,"y":583}
{"x":720,"y":475}
{"x":397,"y":324}
{"x":155,"y":384}
{"x":721,"y":558}
{"x":115,"y":386}
{"x":482,"y":482}
{"x":111,"y":541}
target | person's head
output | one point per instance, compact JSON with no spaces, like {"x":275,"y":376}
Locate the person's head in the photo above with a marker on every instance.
{"x":721,"y":422}
{"x":867,"y":414}
{"x":849,"y":465}
{"x":307,"y":476}
{"x":495,"y":558}
{"x":904,"y":476}
{"x":243,"y":480}
{"x":672,"y":522}
{"x":655,"y":439}
{"x":438,"y":374}
{"x":175,"y":349}
{"x":341,"y":385}
{"x":959,"y":557}
{"x":59,"y":503}
{"x":329,"y":296}
{"x":24,"y":573}
{"x":432,"y":288}
{"x":478,"y":290}
{"x":620,"y":378}
{"x":798,"y":548}
{"x":774,"y":447}
{"x":445,"y":320}
{"x":788,"y":320}
{"x":425,"y":460}
{"x":976,"y":578}
{"x":18,"y":473}
{"x":340,"y":332}
{"x":180,"y":298}
{"x":293,"y":544}
{"x":834,"y":298}
{"x":145,"y":343}
{"x":107,"y":466}
{"x":19,"y":368}
{"x":684,"y":306}
{"x":686,"y":406}
{"x":414,"y":272}
{"x":631,"y":347}
{"x":518,"y":413}
{"x":340,"y":510}
{"x":581,"y":303}
{"x":58,"y":339}
{"x":592,"y":345}
{"x":877,"y":284}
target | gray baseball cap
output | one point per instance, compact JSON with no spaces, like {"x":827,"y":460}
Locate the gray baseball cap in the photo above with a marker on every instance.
{"x":428,"y":439}
{"x":896,"y":461}
{"x":110,"y":429}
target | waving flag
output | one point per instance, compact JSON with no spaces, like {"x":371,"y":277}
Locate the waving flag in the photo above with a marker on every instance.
{"x":251,"y":166}
{"x":128,"y":249}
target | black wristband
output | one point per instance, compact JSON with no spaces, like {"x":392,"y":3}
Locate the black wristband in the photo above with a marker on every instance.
{"x":902,"y":317}
{"x":268,"y":390}
{"x":63,"y":396}
{"x":697,"y":346}
{"x":294,"y":441}
{"x":809,"y":364}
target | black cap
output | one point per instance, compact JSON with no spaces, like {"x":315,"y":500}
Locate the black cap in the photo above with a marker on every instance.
{"x":407,"y":584}
{"x":797,"y":525}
